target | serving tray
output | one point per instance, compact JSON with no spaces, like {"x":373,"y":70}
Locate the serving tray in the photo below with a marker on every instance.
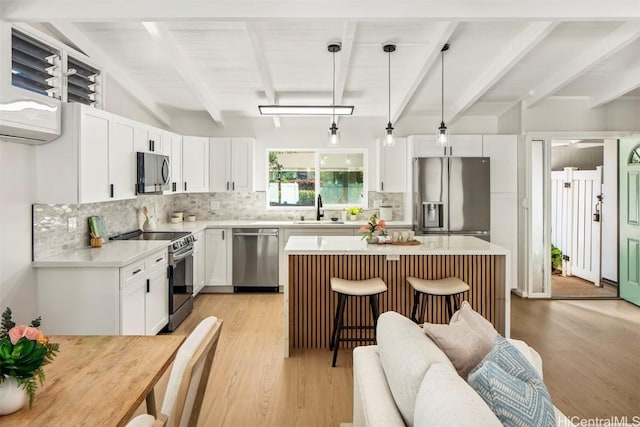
{"x":409,"y":243}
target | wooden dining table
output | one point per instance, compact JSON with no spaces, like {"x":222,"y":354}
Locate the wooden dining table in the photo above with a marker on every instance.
{"x":98,"y":380}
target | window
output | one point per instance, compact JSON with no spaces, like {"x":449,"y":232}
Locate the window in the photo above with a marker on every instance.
{"x":35,"y":66}
{"x":82,"y":82}
{"x":293,"y":178}
{"x":53,"y":70}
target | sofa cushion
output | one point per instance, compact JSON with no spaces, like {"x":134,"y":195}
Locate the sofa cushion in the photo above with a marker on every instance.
{"x":512,"y":388}
{"x":445,"y":399}
{"x":406,"y":354}
{"x":466,"y":339}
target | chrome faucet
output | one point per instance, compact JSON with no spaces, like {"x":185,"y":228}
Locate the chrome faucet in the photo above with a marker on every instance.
{"x":319,"y":210}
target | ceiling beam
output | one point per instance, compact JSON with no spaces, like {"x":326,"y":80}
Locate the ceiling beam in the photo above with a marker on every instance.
{"x":111,"y":68}
{"x":407,"y":91}
{"x":263,"y":67}
{"x":344,"y":60}
{"x":504,"y":61}
{"x":576,"y":67}
{"x":185,"y":67}
{"x":242,"y":10}
{"x":615,"y":88}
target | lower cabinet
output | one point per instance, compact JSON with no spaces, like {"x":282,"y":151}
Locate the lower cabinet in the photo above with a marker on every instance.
{"x":131,"y":300}
{"x":199,"y":262}
{"x":218,"y":242}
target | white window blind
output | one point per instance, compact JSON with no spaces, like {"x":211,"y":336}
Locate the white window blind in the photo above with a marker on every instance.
{"x":35,"y":66}
{"x":83,"y":82}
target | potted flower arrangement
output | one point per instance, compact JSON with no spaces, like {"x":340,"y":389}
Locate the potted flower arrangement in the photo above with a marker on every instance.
{"x":24,"y":350}
{"x":353,"y":212}
{"x":373,"y":228}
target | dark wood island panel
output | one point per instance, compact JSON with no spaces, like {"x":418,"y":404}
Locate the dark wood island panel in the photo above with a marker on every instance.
{"x":312,"y":304}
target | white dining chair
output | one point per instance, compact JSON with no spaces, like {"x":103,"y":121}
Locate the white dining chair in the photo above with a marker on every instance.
{"x":188,"y":380}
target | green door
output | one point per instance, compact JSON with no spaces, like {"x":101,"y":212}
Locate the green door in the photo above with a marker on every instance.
{"x":630,"y":219}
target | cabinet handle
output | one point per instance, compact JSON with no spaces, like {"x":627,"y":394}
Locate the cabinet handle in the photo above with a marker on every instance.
{"x":136,"y":272}
{"x":150,"y":145}
{"x":222,"y":234}
{"x":112,"y":190}
{"x":174,"y":186}
{"x":227,"y":185}
{"x":445,"y":151}
{"x":148,"y":283}
{"x":233,"y":186}
{"x":185,"y":186}
{"x":159,"y":259}
{"x":382,"y":186}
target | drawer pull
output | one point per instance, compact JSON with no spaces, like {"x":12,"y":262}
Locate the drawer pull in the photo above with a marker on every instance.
{"x":159,"y":259}
{"x":136,"y":272}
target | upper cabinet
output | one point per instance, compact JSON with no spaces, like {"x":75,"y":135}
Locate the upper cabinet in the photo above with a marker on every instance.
{"x":92,"y":161}
{"x":195,"y":164}
{"x":149,"y":140}
{"x":392,"y":167}
{"x":231,"y":164}
{"x":459,"y":146}
{"x":503,"y":151}
{"x":172,"y":143}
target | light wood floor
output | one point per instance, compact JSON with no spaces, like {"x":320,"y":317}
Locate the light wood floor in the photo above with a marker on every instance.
{"x":573,"y":286}
{"x":590,"y":349}
{"x":590,"y":352}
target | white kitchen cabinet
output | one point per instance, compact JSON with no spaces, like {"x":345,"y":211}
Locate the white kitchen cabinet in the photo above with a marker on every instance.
{"x":392,"y":167}
{"x":148,"y":139}
{"x":458,"y":146}
{"x":217,"y":256}
{"x":232,"y":164}
{"x":173,"y":143}
{"x":199,"y":262}
{"x":503,"y":153}
{"x":131,"y":300}
{"x":195,"y":164}
{"x":122,"y":159}
{"x":92,"y":161}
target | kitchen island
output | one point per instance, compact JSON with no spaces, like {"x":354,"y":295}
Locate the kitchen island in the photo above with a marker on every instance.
{"x":312,"y":260}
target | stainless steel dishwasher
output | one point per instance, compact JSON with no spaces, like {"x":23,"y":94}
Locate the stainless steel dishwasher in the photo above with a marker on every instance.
{"x":255,"y":259}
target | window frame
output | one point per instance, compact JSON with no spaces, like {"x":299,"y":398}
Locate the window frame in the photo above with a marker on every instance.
{"x":65,"y":52}
{"x":317,"y":152}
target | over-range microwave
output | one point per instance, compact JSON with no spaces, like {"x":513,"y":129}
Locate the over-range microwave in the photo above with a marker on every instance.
{"x":153,"y":173}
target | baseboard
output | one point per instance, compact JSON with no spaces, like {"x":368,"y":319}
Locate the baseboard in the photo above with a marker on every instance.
{"x":609,"y":282}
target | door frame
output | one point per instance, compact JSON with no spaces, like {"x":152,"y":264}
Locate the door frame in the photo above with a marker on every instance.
{"x":527,"y":275}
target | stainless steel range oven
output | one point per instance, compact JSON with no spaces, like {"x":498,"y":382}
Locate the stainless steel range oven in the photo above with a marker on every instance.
{"x":180,"y":270}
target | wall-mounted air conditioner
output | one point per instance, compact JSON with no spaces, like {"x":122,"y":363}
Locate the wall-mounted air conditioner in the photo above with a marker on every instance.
{"x":30,"y":107}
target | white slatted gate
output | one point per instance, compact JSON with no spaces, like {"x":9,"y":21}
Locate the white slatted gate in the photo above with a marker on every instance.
{"x":573,"y":228}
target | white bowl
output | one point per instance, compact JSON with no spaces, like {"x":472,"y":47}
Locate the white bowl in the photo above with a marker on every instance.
{"x":191,"y":218}
{"x":175,"y":220}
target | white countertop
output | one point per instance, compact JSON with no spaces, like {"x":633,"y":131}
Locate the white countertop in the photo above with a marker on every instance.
{"x":116,"y":253}
{"x":198,"y":226}
{"x":354,"y":245}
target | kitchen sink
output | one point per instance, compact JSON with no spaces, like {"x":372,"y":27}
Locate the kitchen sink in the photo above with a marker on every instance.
{"x":320,"y":222}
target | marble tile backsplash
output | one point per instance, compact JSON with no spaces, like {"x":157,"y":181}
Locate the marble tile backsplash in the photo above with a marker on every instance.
{"x":50,"y":222}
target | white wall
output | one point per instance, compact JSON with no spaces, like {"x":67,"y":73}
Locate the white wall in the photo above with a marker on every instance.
{"x":510,"y":122}
{"x":17,"y":193}
{"x":610,"y":211}
{"x":574,"y":156}
{"x":118,"y":101}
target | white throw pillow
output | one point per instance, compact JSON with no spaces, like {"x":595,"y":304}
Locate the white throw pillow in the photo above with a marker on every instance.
{"x":406,"y":354}
{"x":445,"y":399}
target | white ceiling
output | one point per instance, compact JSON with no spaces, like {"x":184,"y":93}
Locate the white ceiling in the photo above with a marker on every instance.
{"x":226,"y":57}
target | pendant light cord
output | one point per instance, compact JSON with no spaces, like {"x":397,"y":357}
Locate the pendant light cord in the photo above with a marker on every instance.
{"x":333,"y":111}
{"x":442,"y":86}
{"x":389,"y":103}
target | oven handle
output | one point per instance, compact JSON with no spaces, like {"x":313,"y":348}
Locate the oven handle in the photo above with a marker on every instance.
{"x":180,"y":255}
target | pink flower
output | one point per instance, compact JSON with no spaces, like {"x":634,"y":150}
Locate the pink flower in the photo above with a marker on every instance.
{"x":364,"y":229}
{"x":18,"y":332}
{"x":381,"y":225}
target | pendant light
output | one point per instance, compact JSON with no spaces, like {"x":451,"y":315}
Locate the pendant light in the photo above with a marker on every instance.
{"x":442,"y":137}
{"x":389,"y":140}
{"x":334,"y":133}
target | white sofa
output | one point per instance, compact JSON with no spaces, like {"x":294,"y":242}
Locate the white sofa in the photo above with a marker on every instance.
{"x":427,"y":389}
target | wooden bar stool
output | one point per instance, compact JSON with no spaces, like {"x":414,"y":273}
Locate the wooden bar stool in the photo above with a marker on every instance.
{"x":449,"y":288}
{"x":358,"y":288}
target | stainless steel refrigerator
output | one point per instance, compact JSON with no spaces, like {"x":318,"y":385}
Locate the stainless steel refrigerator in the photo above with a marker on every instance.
{"x":451,"y":195}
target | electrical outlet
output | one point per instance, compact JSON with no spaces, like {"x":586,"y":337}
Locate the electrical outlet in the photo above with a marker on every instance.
{"x":72,"y":224}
